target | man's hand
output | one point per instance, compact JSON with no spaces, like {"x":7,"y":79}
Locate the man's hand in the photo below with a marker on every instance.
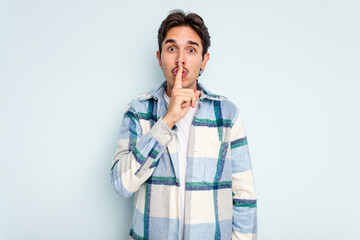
{"x":180,"y":101}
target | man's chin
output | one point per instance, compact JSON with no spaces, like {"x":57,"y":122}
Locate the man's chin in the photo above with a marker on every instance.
{"x":186,"y":82}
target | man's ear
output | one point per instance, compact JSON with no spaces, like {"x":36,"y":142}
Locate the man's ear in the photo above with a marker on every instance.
{"x":158,"y":56}
{"x":205,"y":60}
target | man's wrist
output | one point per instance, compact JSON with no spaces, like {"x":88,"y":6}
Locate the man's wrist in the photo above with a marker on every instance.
{"x":162,"y":133}
{"x":169,"y":123}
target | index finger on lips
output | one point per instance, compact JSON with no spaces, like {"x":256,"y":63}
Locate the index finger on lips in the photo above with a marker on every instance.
{"x":178,"y":83}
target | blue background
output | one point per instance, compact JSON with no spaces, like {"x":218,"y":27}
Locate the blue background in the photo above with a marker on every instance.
{"x":68,"y":68}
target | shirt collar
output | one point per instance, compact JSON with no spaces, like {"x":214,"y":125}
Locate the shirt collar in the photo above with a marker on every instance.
{"x":159,"y":93}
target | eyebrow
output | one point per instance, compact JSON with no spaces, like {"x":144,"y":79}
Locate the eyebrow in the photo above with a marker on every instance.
{"x":189,"y":42}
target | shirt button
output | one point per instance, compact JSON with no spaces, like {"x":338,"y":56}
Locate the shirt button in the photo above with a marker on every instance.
{"x":167,"y":137}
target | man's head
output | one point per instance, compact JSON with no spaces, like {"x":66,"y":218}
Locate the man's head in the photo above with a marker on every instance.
{"x":183,"y":38}
{"x":179,"y":18}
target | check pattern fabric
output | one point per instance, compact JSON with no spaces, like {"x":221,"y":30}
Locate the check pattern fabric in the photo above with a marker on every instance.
{"x":220,"y":200}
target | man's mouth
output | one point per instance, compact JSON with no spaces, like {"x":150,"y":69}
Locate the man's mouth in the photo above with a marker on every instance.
{"x":184,"y":72}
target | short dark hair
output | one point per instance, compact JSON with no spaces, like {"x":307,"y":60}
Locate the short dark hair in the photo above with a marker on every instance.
{"x":179,"y":18}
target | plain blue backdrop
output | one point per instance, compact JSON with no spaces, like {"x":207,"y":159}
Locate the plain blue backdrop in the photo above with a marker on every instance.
{"x":68,"y":68}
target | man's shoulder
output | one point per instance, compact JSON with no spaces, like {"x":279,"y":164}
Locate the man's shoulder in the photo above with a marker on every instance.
{"x":215,"y":97}
{"x":229,"y":110}
{"x":218,"y":106}
{"x":140,"y":103}
{"x":141,"y":97}
{"x":225,"y":102}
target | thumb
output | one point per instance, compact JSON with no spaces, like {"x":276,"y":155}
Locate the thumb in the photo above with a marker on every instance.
{"x":197,"y":94}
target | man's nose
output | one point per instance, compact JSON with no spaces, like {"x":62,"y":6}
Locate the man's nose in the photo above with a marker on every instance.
{"x":180,"y":59}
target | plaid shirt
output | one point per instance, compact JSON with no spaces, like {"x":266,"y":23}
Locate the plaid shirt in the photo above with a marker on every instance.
{"x":220,"y":201}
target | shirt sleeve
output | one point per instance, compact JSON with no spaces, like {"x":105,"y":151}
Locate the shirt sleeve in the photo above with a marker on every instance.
{"x":244,"y":225}
{"x":137,"y":154}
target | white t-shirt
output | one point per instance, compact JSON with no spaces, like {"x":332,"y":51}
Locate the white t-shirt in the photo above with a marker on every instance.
{"x":182,"y":142}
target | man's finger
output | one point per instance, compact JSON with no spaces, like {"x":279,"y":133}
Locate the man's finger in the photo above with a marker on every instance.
{"x":197,"y":94}
{"x":184,"y":105}
{"x":193,"y":101}
{"x":195,"y":98}
{"x":178,"y":83}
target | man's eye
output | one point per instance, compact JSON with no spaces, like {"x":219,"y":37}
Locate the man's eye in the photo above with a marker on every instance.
{"x":171,"y":49}
{"x":191,"y":50}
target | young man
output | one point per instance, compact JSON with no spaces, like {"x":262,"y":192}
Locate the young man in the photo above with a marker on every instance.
{"x":182,"y":150}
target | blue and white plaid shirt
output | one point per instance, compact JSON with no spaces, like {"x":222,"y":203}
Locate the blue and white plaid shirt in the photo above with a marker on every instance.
{"x":220,"y":201}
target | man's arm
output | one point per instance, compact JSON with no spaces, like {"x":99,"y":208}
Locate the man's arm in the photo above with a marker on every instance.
{"x":137,"y":154}
{"x":244,"y":198}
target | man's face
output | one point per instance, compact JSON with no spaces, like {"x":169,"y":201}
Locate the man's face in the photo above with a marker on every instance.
{"x":182,"y":44}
